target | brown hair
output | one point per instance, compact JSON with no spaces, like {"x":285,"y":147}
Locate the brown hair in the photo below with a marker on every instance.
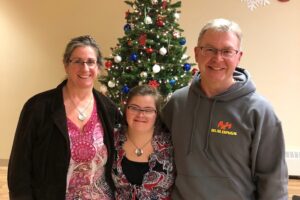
{"x":82,"y":41}
{"x":145,"y":90}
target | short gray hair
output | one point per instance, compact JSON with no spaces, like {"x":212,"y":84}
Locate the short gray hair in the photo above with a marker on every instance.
{"x":222,"y":25}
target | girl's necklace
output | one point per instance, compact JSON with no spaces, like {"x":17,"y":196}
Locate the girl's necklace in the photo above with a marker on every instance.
{"x":138,"y":150}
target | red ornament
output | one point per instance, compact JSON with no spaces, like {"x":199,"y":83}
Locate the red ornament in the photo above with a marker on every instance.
{"x":149,"y":50}
{"x":142,"y":39}
{"x":153,"y":84}
{"x":160,"y":22}
{"x":108,"y":64}
{"x":126,"y":14}
{"x":194,"y":71}
{"x":129,"y":42}
{"x":164,"y":4}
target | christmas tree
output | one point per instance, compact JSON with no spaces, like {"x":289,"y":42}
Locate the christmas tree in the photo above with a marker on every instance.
{"x":151,"y":52}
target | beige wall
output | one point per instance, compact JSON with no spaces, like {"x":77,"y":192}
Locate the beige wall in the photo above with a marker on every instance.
{"x":33,"y":35}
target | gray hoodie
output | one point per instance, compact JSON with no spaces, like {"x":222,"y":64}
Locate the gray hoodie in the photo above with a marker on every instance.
{"x":229,"y":147}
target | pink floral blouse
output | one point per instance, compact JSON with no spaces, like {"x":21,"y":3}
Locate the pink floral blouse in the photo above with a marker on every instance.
{"x":156,"y":184}
{"x":85,"y":179}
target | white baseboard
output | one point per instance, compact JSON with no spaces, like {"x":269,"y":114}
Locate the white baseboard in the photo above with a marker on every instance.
{"x":293,"y":162}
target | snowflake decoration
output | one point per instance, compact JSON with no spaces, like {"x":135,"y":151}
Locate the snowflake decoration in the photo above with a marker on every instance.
{"x":252,"y":4}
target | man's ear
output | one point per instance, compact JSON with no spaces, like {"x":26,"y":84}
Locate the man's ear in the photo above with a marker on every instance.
{"x":240,"y":55}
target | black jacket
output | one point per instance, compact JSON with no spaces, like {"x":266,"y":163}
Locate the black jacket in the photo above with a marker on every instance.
{"x":40,"y":156}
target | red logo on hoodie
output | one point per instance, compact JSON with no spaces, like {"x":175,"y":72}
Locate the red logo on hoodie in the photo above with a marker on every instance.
{"x":224,"y":125}
{"x":224,"y":128}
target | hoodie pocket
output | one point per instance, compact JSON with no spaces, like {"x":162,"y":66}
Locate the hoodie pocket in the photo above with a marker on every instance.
{"x":205,"y":188}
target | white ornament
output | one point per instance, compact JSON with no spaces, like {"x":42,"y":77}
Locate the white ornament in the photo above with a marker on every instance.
{"x":184,"y":56}
{"x":176,"y":34}
{"x":148,"y":20}
{"x":143,"y":74}
{"x":176,"y":16}
{"x":117,"y":59}
{"x":111,"y":84}
{"x":154,"y":2}
{"x":163,"y":51}
{"x":156,"y":68}
{"x":252,"y":4}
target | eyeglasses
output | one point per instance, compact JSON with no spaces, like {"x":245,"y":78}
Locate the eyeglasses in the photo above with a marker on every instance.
{"x":225,"y":53}
{"x":90,"y":63}
{"x":137,"y":110}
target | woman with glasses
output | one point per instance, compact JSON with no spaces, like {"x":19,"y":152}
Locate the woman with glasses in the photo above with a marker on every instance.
{"x":63,"y":143}
{"x":143,"y":167}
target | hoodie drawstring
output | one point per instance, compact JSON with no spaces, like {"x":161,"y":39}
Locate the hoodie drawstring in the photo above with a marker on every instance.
{"x":206,"y":147}
{"x":190,"y":149}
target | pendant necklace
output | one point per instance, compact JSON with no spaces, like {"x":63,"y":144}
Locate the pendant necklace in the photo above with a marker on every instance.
{"x":138,"y":150}
{"x":81,"y":113}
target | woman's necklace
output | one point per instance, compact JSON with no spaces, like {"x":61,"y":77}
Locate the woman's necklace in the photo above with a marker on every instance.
{"x":81,"y":113}
{"x":138,"y":150}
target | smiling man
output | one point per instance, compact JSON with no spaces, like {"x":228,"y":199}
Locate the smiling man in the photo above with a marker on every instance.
{"x":228,"y":141}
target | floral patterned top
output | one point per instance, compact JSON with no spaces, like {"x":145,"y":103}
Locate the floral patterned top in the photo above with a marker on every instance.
{"x":86,"y":178}
{"x":156,"y":184}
